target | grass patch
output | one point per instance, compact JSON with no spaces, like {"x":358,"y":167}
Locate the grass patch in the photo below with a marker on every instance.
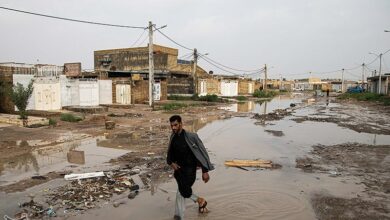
{"x":265,"y":94}
{"x":173,"y":106}
{"x":366,"y":96}
{"x":70,"y":118}
{"x":241,"y":98}
{"x":210,"y":98}
{"x":52,"y":122}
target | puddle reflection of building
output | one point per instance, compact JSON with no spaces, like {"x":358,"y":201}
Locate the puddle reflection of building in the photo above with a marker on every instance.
{"x":195,"y":125}
{"x":76,"y":157}
{"x":245,"y":106}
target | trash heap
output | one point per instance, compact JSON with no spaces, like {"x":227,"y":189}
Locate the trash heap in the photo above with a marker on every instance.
{"x":82,"y":194}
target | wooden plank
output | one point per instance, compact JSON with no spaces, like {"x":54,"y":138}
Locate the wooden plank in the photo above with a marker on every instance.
{"x":249,"y":163}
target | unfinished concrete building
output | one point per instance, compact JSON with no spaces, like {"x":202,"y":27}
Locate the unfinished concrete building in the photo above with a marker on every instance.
{"x":131,"y":66}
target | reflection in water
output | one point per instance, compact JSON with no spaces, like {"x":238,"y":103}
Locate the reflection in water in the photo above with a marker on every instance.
{"x":264,"y":106}
{"x":46,"y":159}
{"x":76,"y":157}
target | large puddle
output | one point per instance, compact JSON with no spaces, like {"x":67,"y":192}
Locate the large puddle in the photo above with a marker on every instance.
{"x":254,"y":194}
{"x":79,"y":155}
{"x":266,"y":106}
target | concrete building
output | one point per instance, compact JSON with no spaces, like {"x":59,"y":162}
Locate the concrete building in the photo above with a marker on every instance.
{"x":373,"y":84}
{"x":172,"y":75}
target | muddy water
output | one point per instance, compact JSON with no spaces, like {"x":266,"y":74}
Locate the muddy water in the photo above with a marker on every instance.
{"x":266,"y":106}
{"x":80,"y":155}
{"x":254,"y":194}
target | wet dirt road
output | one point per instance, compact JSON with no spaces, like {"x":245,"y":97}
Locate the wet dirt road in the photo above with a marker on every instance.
{"x":233,"y":193}
{"x":257,"y":193}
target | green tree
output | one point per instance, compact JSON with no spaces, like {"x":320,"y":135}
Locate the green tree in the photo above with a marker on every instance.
{"x":19,"y":96}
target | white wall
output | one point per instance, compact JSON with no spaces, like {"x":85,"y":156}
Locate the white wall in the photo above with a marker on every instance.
{"x":89,"y":93}
{"x":47,"y":93}
{"x":105,"y":91}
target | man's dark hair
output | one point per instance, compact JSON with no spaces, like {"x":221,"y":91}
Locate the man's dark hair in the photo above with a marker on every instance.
{"x":174,"y":118}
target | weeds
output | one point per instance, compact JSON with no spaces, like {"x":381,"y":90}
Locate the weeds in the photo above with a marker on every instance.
{"x":366,"y":96}
{"x":52,"y":122}
{"x":265,"y":94}
{"x":70,"y":118}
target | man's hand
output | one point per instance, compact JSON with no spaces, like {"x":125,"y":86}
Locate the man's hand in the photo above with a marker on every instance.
{"x":205,"y":177}
{"x":174,"y":166}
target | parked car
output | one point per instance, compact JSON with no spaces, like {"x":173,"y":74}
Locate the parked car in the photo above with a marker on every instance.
{"x":297,"y":89}
{"x":356,"y":89}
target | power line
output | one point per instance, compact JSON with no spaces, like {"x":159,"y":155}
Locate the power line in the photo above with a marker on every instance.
{"x":143,"y":41}
{"x":138,"y":38}
{"x":175,"y":42}
{"x":217,"y":63}
{"x":71,"y":19}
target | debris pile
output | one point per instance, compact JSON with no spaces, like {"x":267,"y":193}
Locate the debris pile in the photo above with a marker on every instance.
{"x":272,"y":116}
{"x":82,"y":194}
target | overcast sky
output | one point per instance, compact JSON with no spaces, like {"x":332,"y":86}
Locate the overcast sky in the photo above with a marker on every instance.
{"x":291,"y":37}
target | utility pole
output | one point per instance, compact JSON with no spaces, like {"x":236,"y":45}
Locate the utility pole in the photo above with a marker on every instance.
{"x":194,"y":76}
{"x":363,"y":75}
{"x":380,"y":77}
{"x":342,"y":81}
{"x":265,"y":78}
{"x":151,"y":65}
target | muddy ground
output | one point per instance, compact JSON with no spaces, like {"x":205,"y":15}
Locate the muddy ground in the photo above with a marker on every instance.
{"x":144,"y":133}
{"x":370,"y":164}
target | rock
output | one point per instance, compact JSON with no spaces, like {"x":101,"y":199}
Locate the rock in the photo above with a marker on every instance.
{"x":110,"y":125}
{"x":134,"y":187}
{"x":132,"y":194}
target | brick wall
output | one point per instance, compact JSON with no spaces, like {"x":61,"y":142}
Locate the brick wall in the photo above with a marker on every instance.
{"x":6,"y":105}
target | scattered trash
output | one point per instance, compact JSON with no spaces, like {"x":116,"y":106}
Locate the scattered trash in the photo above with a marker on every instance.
{"x":334,"y":173}
{"x":249,"y":163}
{"x":311,"y":100}
{"x":50,"y":212}
{"x":83,"y":176}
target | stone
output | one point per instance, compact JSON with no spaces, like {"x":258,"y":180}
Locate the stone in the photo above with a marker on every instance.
{"x":110,"y":125}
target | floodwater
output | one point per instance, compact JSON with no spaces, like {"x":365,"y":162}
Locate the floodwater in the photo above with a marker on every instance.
{"x":257,"y":193}
{"x":78,"y":155}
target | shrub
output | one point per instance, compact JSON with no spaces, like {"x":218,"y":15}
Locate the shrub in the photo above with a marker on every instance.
{"x":70,"y":118}
{"x":265,"y":94}
{"x":52,"y":122}
{"x":20,"y":96}
{"x":209,"y":98}
{"x":241,"y":98}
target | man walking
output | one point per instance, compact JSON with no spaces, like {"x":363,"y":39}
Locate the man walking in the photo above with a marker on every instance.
{"x":186,"y":152}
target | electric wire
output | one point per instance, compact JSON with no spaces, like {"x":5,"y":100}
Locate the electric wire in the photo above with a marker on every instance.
{"x":138,"y":38}
{"x":71,"y":19}
{"x":217,"y":63}
{"x":173,"y":41}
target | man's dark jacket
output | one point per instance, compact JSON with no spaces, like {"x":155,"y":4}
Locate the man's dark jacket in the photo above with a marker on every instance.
{"x":196,"y":147}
